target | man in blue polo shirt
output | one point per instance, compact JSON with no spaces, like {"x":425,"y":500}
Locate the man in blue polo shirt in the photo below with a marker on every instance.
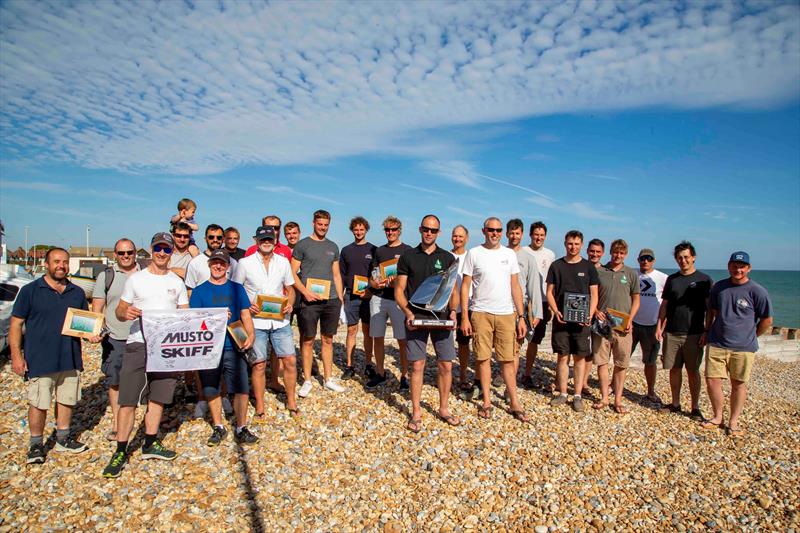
{"x":52,"y":362}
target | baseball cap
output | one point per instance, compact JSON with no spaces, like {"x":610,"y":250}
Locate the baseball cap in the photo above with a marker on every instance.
{"x":646,"y":251}
{"x":740,"y":257}
{"x":264,"y":232}
{"x":221,"y":255}
{"x":162,"y":237}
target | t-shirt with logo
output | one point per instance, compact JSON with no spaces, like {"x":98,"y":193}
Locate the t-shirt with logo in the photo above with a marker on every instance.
{"x":147,"y":291}
{"x":316,"y":259}
{"x":198,"y":271}
{"x":616,"y":288}
{"x":651,"y":286}
{"x":491,"y":271}
{"x":686,"y":302}
{"x":571,"y":277}
{"x":230,"y":295}
{"x":355,"y":260}
{"x":739,"y":308}
{"x":386,"y":253}
{"x":419,"y":266}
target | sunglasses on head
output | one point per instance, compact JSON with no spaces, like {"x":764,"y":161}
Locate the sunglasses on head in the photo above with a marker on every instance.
{"x":426,"y":229}
{"x":162,"y":248}
{"x":125,"y":252}
{"x":494,"y":230}
{"x":646,"y":258}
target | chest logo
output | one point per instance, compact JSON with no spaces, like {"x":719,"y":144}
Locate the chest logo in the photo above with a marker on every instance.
{"x":623,"y":280}
{"x":437,"y":265}
{"x":742,"y":304}
{"x":581,"y":274}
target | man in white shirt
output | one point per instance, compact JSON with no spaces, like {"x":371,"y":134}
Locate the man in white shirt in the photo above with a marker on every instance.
{"x":544,"y":258}
{"x":270,"y":274}
{"x":198,"y":272}
{"x":460,"y":237}
{"x":497,"y":312}
{"x":651,"y":286}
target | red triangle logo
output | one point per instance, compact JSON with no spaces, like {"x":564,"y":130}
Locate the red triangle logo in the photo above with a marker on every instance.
{"x":203,"y":326}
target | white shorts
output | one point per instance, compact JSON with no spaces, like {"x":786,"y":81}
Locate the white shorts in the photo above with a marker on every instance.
{"x":381,"y":309}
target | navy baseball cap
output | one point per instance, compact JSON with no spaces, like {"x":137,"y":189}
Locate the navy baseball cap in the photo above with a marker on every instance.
{"x":740,"y":257}
{"x":264,"y":232}
{"x":162,"y":237}
{"x":221,"y":255}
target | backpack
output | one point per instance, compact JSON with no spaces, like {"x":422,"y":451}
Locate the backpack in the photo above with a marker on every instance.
{"x":109,"y":271}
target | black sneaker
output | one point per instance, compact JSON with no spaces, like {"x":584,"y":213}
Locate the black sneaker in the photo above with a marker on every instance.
{"x":245,"y":437}
{"x":36,"y":454}
{"x":70,"y":445}
{"x":369,"y":371}
{"x":349,"y":372}
{"x":157,"y":451}
{"x":403,"y":383}
{"x":376,"y":380}
{"x":526,"y":382}
{"x":115,"y":465}
{"x":217,"y":436}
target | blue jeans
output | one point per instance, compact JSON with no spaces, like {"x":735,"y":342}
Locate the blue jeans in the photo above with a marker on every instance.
{"x":280,"y":339}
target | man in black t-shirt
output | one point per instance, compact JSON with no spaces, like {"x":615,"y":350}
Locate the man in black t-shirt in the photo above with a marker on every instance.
{"x":681,"y":326}
{"x":571,"y":273}
{"x":354,"y":263}
{"x":414,"y":267}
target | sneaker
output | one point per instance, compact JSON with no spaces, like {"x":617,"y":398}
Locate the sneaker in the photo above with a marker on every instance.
{"x":305,"y":389}
{"x":115,"y":465}
{"x":369,"y":371}
{"x":36,"y":454}
{"x":227,"y":408}
{"x":70,"y":445}
{"x":333,"y":385}
{"x":558,"y":400}
{"x":157,"y":451}
{"x":526,"y":382}
{"x":376,"y":380}
{"x":696,"y":414}
{"x":217,"y":436}
{"x":403,"y":383}
{"x":349,"y":372}
{"x":245,"y":437}
{"x":577,"y":404}
{"x":201,"y":409}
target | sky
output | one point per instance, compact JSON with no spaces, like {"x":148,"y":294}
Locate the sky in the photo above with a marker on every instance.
{"x":653,"y":122}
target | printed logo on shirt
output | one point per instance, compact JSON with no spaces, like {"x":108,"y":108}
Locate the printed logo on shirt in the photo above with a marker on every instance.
{"x":581,"y":274}
{"x":330,"y":253}
{"x":742,"y":304}
{"x":368,"y":256}
{"x":692,"y":285}
{"x":504,"y":262}
{"x":623,"y":280}
{"x":437,"y":265}
{"x":172,"y":292}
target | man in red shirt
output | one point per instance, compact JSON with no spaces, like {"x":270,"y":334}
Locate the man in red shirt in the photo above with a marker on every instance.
{"x":274,"y":222}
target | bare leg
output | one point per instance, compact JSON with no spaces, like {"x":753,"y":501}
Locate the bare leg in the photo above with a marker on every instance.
{"x":675,"y":379}
{"x":36,"y":421}
{"x":403,"y":357}
{"x":215,"y":408}
{"x":307,"y":354}
{"x":738,"y":398}
{"x":694,"y":388}
{"x":509,"y":372}
{"x":290,"y":380}
{"x":152,"y":418}
{"x":650,"y":375}
{"x":113,"y":400}
{"x":587,"y":371}
{"x":602,"y":377}
{"x":562,"y":373}
{"x":378,"y":348}
{"x":274,"y":371}
{"x":350,"y":343}
{"x":578,"y":369}
{"x":240,"y":409}
{"x":417,"y":374}
{"x":127,"y":413}
{"x":619,"y":384}
{"x":715,"y":395}
{"x":327,"y":356}
{"x":485,"y":377}
{"x":367,"y":342}
{"x":530,"y":357}
{"x":63,"y":416}
{"x":259,"y":380}
{"x":445,"y":382}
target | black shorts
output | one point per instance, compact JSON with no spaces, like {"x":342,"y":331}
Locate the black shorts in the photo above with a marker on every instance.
{"x":325,"y":312}
{"x":541,"y":327}
{"x":356,"y":309}
{"x":571,"y":339}
{"x":461,"y":339}
{"x":111,"y":361}
{"x":138,"y":386}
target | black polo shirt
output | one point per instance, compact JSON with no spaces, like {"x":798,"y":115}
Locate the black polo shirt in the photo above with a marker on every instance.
{"x":44,"y":309}
{"x":419,"y":266}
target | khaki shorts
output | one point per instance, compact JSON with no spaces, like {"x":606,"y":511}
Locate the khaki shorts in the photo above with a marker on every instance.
{"x":620,"y":345}
{"x":682,"y":350}
{"x":723,"y":363}
{"x":66,"y":386}
{"x":494,"y":331}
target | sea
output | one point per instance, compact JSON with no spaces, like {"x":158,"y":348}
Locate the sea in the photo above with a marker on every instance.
{"x":784,"y":292}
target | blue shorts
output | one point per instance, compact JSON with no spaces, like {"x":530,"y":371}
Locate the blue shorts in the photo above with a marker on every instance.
{"x":356,"y":309}
{"x":280,"y":339}
{"x":232,"y":367}
{"x":442,"y":339}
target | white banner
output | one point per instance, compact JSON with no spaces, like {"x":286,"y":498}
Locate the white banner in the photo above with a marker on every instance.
{"x":184,"y":339}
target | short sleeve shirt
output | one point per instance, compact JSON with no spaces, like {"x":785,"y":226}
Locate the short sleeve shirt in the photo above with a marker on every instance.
{"x":230,"y":294}
{"x":44,"y":309}
{"x":269,"y":280}
{"x":180,"y":260}
{"x":419,"y":266}
{"x":491,"y":272}
{"x":386,"y":253}
{"x":651,"y":287}
{"x":617,"y":287}
{"x":147,"y":291}
{"x":571,"y":277}
{"x":739,"y":308}
{"x":118,"y":329}
{"x":198,"y":271}
{"x":686,"y":302}
{"x":355,"y":261}
{"x":316,"y":259}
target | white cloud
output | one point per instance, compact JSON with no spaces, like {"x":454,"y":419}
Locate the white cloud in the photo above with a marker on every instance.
{"x":419,"y":189}
{"x":39,"y":186}
{"x":577,"y":209}
{"x":606,"y":177}
{"x":202,"y":88}
{"x":289,"y":191}
{"x":461,"y":172}
{"x":466,"y":212}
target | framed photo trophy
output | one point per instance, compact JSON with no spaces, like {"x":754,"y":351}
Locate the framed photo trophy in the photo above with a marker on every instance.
{"x":360,"y":285}
{"x":270,"y":306}
{"x":576,"y":307}
{"x":320,"y":287}
{"x":238,"y":334}
{"x":388,"y":269}
{"x":432,"y":297}
{"x":83,"y":324}
{"x":619,"y":321}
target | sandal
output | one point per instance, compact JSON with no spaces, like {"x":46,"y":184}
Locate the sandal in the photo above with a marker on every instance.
{"x":293,"y":413}
{"x":620,"y":409}
{"x":708,"y":424}
{"x":485,"y":412}
{"x":259,"y":419}
{"x":451,"y":420}
{"x":414,"y":425}
{"x":734,"y":433}
{"x":520,"y":415}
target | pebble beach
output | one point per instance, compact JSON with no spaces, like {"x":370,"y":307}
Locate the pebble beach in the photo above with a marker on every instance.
{"x":348,"y":464}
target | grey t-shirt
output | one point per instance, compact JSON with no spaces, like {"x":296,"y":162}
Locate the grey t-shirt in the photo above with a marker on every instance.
{"x":180,"y":260}
{"x":530,"y":279}
{"x":316,"y":259}
{"x":739,"y":308}
{"x":118,"y":330}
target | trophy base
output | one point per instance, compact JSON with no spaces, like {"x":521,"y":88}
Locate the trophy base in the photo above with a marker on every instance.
{"x":433,"y":323}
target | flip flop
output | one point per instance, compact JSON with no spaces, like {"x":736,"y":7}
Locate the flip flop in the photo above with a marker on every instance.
{"x":414,"y":426}
{"x":294,"y":413}
{"x":620,"y":409}
{"x":520,"y":415}
{"x":451,"y":420}
{"x":485,"y":412}
{"x":708,"y":424}
{"x":735,"y":433}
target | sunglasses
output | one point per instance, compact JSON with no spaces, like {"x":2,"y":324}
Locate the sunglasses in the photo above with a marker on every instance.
{"x":160,"y":248}
{"x":276,"y":228}
{"x":493,"y":230}
{"x":214,"y":237}
{"x":647,"y":258}
{"x":426,"y":229}
{"x":181,"y":235}
{"x":125,"y":252}
{"x":391,"y":230}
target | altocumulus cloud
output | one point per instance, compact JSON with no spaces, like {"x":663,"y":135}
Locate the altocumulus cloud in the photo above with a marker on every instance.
{"x":201,"y":88}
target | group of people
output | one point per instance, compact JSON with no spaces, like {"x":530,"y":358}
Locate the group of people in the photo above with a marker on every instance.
{"x":504,"y":295}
